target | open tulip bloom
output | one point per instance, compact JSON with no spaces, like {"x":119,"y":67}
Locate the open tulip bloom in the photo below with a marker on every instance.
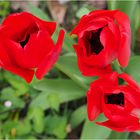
{"x":26,"y":47}
{"x":103,"y":36}
{"x":120,"y":103}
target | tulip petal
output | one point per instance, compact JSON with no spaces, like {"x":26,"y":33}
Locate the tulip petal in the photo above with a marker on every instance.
{"x":16,"y":28}
{"x":36,"y":49}
{"x":50,"y":26}
{"x":51,"y":58}
{"x":110,"y":45}
{"x":94,"y":103}
{"x":92,"y":16}
{"x":120,"y":124}
{"x":88,"y":70}
{"x":8,"y":64}
{"x":125,"y":31}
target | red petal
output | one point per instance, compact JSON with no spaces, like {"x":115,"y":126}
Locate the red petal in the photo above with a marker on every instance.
{"x":50,"y":26}
{"x":89,"y":70}
{"x":110,"y":45}
{"x":102,"y":13}
{"x":50,"y":59}
{"x":122,"y":124}
{"x":16,"y":26}
{"x":91,"y":17}
{"x":125,"y":31}
{"x":94,"y":103}
{"x":8,"y":64}
{"x":40,"y":44}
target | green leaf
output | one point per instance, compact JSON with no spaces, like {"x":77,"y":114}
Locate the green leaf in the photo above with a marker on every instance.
{"x":125,"y":6}
{"x":82,"y":11}
{"x":8,"y":126}
{"x":68,"y":65}
{"x":138,"y":132}
{"x":54,"y":101}
{"x":133,"y":68}
{"x":16,"y":82}
{"x":23,"y":127}
{"x":41,"y":101}
{"x":8,"y":94}
{"x":78,"y":116}
{"x":38,"y":12}
{"x":65,"y":89}
{"x":137,"y":16}
{"x":57,"y":126}
{"x":117,"y":135}
{"x":36,"y":114}
{"x":94,"y":131}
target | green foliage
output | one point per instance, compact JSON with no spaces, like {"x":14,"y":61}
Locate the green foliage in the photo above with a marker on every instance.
{"x":82,"y":11}
{"x":57,"y":127}
{"x":4,"y":8}
{"x":117,"y":135}
{"x":36,"y":114}
{"x":60,"y":93}
{"x":133,"y":68}
{"x":78,"y":116}
{"x":93,"y":131}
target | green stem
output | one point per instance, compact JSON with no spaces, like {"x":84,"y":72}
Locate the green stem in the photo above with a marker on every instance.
{"x":117,"y":67}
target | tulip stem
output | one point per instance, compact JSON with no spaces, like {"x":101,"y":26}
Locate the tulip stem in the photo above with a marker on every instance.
{"x":117,"y":67}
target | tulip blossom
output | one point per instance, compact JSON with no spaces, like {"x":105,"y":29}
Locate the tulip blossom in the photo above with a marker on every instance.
{"x":103,"y":36}
{"x":119,"y":102}
{"x":26,"y":45}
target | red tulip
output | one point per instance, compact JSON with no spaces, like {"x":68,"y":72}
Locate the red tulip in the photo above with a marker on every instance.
{"x":103,"y":36}
{"x":26,"y":45}
{"x":120,"y":103}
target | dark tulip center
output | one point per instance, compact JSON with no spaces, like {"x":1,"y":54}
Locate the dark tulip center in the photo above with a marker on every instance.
{"x":117,"y":99}
{"x":95,"y":43}
{"x":23,"y":43}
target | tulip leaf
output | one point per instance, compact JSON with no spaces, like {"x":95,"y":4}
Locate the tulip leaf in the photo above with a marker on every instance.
{"x":23,"y":127}
{"x":125,"y":6}
{"x":138,"y":132}
{"x":65,"y":90}
{"x":54,"y":101}
{"x":36,"y":114}
{"x":57,"y":126}
{"x":38,"y":12}
{"x":68,"y":65}
{"x":8,"y":94}
{"x":16,"y":82}
{"x":8,"y":126}
{"x":94,"y":131}
{"x":82,"y":11}
{"x":118,"y":135}
{"x":133,"y":68}
{"x":78,"y":116}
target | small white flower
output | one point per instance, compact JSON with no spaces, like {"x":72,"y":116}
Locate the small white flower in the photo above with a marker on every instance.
{"x":8,"y":103}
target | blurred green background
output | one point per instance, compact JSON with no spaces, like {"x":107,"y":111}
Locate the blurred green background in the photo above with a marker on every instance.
{"x":55,"y":107}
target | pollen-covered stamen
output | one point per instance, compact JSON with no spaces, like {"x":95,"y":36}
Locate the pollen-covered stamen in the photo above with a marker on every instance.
{"x":23,"y":43}
{"x":95,"y":43}
{"x":117,"y":99}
